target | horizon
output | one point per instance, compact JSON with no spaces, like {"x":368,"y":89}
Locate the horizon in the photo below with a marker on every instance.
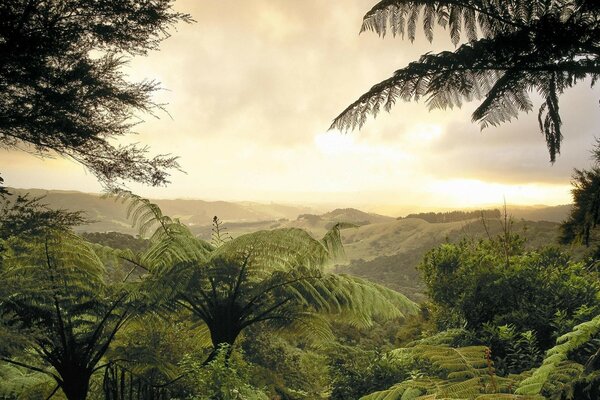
{"x":388,"y":210}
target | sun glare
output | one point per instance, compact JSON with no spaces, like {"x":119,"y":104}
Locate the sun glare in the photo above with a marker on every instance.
{"x":331,"y":143}
{"x":469,"y":193}
{"x":424,"y":133}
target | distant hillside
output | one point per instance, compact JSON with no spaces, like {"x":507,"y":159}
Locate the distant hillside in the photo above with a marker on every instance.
{"x":111,"y":216}
{"x":552,"y":214}
{"x":389,"y":253}
{"x":355,"y":216}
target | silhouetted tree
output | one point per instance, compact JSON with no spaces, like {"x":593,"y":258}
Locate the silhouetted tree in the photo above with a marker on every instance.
{"x":585,"y":214}
{"x":62,"y":90}
{"x":514,"y":47}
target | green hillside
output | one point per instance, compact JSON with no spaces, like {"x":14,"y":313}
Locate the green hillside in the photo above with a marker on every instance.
{"x":389,"y":253}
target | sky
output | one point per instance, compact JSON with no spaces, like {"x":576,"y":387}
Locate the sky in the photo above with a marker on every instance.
{"x":252,"y":86}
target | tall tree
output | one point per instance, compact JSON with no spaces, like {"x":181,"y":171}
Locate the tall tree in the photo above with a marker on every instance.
{"x":514,"y":47}
{"x":62,"y":88}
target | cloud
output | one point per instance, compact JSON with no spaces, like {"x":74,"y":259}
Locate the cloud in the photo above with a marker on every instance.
{"x":253,"y":86}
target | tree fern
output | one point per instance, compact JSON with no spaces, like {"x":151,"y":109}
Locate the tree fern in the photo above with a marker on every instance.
{"x":56,"y":300}
{"x":278,"y":278}
{"x":514,"y":55}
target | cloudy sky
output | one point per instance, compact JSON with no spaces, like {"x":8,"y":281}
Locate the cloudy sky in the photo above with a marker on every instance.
{"x":253,"y":86}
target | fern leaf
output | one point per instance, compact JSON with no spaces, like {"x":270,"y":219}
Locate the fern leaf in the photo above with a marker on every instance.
{"x":556,"y":356}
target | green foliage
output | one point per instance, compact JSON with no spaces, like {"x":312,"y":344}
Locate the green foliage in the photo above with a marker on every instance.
{"x":223,"y":378}
{"x":521,"y":349}
{"x":286,"y":367}
{"x":444,"y":372}
{"x":19,"y":383}
{"x":555,"y":357}
{"x":497,"y":282}
{"x":509,"y":53}
{"x":356,"y":372}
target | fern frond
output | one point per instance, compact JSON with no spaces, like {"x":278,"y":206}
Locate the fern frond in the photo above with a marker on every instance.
{"x":513,"y":57}
{"x":333,"y":240}
{"x":557,"y":355}
{"x":400,"y":17}
{"x":144,"y":215}
{"x":281,"y":249}
{"x":464,"y":373}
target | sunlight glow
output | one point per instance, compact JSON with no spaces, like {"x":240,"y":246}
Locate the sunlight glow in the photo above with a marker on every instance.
{"x":423,"y":133}
{"x":474,"y":192}
{"x":331,"y":143}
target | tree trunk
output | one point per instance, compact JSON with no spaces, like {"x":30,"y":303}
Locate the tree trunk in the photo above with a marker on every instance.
{"x":222,"y":334}
{"x":76,"y":385}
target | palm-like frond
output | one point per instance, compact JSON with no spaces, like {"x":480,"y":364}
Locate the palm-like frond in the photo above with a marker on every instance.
{"x":464,"y":373}
{"x":554,"y":363}
{"x":516,"y":55}
{"x":459,"y":17}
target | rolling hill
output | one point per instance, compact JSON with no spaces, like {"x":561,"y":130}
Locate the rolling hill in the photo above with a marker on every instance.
{"x":109,"y":215}
{"x":381,"y":248}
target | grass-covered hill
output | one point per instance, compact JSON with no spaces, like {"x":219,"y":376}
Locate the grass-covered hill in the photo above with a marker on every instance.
{"x":389,"y":253}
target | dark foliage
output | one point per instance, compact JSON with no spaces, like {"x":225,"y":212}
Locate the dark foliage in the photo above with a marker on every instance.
{"x":29,"y":216}
{"x":514,"y":47}
{"x":455,"y":216}
{"x":585,"y":214}
{"x":62,"y":89}
{"x":117,"y":240}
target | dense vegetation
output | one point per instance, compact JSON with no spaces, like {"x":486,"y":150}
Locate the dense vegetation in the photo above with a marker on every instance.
{"x":258,"y":316}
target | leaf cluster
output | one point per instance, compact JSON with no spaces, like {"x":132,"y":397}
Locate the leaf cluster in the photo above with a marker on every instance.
{"x":513,"y":48}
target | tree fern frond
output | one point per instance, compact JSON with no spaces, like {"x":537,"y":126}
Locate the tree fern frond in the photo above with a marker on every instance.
{"x":144,"y":215}
{"x":490,"y":16}
{"x":555,"y":357}
{"x":513,"y":56}
{"x":333,"y":241}
{"x":276,"y":249}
